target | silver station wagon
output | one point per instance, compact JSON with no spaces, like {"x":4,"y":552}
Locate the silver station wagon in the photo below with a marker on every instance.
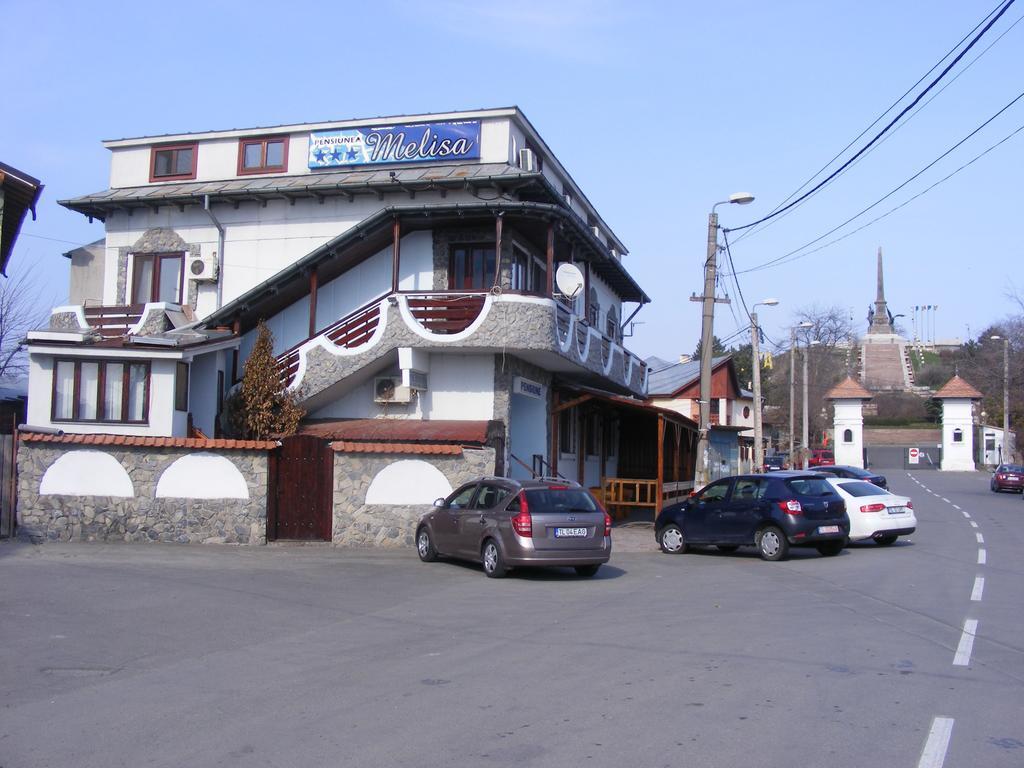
{"x":505,"y":523}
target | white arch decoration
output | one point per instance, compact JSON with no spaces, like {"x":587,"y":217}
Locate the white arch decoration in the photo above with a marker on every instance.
{"x":410,"y":481}
{"x":202,"y":476}
{"x":86,"y":473}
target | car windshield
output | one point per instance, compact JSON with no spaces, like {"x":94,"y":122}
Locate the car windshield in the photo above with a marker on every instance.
{"x":1011,"y":468}
{"x":860,"y":488}
{"x":560,"y":500}
{"x":810,"y":486}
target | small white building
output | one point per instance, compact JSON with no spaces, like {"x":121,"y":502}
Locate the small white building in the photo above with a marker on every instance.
{"x":848,"y":397}
{"x":958,"y":398}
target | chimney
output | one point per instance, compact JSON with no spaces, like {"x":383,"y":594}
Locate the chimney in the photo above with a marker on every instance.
{"x":685,"y":358}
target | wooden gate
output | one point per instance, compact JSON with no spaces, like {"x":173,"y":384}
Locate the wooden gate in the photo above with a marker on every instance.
{"x":300,"y":497}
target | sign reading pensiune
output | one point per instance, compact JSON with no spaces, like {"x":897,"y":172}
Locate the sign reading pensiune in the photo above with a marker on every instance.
{"x":422,"y":142}
{"x":524,"y":386}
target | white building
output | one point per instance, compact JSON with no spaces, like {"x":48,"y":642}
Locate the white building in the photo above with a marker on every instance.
{"x":405,"y":266}
{"x":958,"y":398}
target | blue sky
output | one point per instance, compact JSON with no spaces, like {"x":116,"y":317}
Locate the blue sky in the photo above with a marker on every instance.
{"x":657,"y":109}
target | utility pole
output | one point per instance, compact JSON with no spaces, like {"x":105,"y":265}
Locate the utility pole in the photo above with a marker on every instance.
{"x":755,"y":353}
{"x":806,"y":445}
{"x":792,"y":394}
{"x":1007,"y":450}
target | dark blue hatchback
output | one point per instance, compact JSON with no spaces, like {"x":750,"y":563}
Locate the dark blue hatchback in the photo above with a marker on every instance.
{"x":771,"y":512}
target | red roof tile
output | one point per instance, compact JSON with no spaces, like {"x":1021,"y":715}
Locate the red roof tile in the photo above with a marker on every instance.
{"x":399,"y":430}
{"x":957,"y":387}
{"x":433,"y":449}
{"x":196,"y":443}
{"x":848,"y":388}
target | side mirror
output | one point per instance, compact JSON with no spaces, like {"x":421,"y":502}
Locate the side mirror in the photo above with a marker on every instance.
{"x":439,"y":503}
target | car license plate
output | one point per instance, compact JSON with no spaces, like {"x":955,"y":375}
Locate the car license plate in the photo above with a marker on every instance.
{"x":1012,"y":477}
{"x":828,"y":529}
{"x":897,"y":510}
{"x":570,"y":533}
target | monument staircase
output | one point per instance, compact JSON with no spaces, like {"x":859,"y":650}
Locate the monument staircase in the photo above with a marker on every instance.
{"x":885,"y":367}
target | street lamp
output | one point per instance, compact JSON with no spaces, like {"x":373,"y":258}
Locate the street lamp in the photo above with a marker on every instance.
{"x":1006,"y":398}
{"x":707,"y":336}
{"x":806,"y":425}
{"x":755,"y":353}
{"x":792,"y":385}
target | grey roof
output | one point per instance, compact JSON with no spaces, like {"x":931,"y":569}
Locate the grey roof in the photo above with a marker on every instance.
{"x":668,"y":378}
{"x":307,"y":185}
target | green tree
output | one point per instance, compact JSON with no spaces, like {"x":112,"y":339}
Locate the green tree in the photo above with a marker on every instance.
{"x":717,"y":348}
{"x":261,"y":406}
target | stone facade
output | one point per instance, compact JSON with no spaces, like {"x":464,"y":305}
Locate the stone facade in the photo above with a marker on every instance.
{"x":390,"y":526}
{"x":65,"y":321}
{"x":143,"y":517}
{"x":445,"y":238}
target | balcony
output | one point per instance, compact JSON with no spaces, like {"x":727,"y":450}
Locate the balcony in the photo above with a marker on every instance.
{"x":541,"y":329}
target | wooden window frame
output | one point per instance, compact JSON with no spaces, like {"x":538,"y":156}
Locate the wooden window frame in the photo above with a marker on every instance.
{"x":468,"y":248}
{"x":182,"y":374}
{"x":263,"y":167}
{"x":193,"y":145}
{"x":100,"y":387}
{"x":155,"y":284}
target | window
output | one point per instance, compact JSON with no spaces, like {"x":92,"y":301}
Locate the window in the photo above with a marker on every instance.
{"x":173,"y":161}
{"x":593,"y":436}
{"x":567,"y":432}
{"x":88,"y":390}
{"x":528,"y":272}
{"x":471,"y":267}
{"x":181,"y":387}
{"x":748,"y":490}
{"x":715,"y":491}
{"x":593,"y":309}
{"x":265,"y":155}
{"x":847,"y":435}
{"x":490,"y":496}
{"x":157,"y":277}
{"x":746,"y":411}
{"x":858,"y":488}
{"x":461,"y":498}
{"x":958,"y":435}
{"x":612,"y":324}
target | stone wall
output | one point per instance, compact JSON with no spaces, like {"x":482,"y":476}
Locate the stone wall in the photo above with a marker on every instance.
{"x":141,"y":516}
{"x":391,"y":526}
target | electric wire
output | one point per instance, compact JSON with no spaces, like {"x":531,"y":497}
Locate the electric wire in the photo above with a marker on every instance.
{"x":885,"y":130}
{"x":893,"y":106}
{"x":786,"y":256}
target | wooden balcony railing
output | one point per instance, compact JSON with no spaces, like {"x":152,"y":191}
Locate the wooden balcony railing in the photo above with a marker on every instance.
{"x":111,"y":321}
{"x":446,"y":314}
{"x":350,"y":331}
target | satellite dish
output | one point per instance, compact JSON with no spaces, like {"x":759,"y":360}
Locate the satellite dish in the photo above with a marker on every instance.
{"x":569,"y":279}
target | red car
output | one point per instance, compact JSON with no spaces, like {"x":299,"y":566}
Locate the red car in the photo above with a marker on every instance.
{"x":821,"y":457}
{"x":1008,"y":477}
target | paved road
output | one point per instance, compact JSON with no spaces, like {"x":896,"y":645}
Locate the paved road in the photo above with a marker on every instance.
{"x":131,"y":655}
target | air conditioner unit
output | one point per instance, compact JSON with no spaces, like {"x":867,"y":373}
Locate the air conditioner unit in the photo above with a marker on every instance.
{"x":528,"y":160}
{"x":389,"y":389}
{"x":202,"y":268}
{"x":596,"y":231}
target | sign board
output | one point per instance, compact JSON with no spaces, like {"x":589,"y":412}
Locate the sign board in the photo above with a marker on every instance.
{"x":422,"y":142}
{"x":914,"y":455}
{"x":523,"y":386}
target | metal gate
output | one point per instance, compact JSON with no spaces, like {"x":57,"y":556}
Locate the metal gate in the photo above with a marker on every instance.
{"x":880,"y":457}
{"x":299,"y":501}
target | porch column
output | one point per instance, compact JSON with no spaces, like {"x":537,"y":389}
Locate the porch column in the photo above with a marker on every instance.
{"x":678,"y":429}
{"x":553,"y":463}
{"x":313,"y":280}
{"x":550,"y":291}
{"x":661,"y":465}
{"x":396,"y":245}
{"x":581,"y":445}
{"x":497,"y":248}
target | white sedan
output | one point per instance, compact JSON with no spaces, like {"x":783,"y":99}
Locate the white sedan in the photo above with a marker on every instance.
{"x":874,"y":512}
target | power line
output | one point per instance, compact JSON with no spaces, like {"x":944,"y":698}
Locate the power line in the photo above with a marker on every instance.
{"x":910,"y":117}
{"x":785,"y":256}
{"x":886,"y":129}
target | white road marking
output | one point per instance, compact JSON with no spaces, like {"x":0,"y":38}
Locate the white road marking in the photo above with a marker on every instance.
{"x":965,"y":514}
{"x":973,"y":524}
{"x":946,"y":500}
{"x":934,"y":754}
{"x":982,"y":559}
{"x":979,"y":587}
{"x":980,"y":538}
{"x":963,"y":651}
{"x":955,"y":507}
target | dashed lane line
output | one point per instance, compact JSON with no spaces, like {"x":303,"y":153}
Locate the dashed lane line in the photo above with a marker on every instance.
{"x":980,"y":538}
{"x":937,"y":743}
{"x":946,"y":500}
{"x":965,"y":513}
{"x":963,"y":650}
{"x":979,"y":587}
{"x":982,"y":557}
{"x":973,"y":524}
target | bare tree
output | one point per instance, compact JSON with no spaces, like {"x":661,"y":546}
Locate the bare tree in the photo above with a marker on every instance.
{"x":22,"y":309}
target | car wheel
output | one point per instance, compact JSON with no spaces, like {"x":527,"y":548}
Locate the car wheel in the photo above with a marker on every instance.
{"x":672,"y":541}
{"x":494,"y":563}
{"x":886,"y":539}
{"x":831,"y":548}
{"x":425,"y":546}
{"x":586,"y":571}
{"x":727,"y":547}
{"x":772,"y":544}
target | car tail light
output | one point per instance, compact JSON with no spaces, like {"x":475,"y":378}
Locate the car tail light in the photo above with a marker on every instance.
{"x":910,"y":505}
{"x":607,"y":524}
{"x":558,"y":487}
{"x":1000,"y":477}
{"x":872,"y":508}
{"x":791,"y":507}
{"x":522,"y":523}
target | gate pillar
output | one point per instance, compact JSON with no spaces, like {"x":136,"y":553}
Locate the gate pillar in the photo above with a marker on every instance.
{"x":958,"y":398}
{"x":848,"y":397}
